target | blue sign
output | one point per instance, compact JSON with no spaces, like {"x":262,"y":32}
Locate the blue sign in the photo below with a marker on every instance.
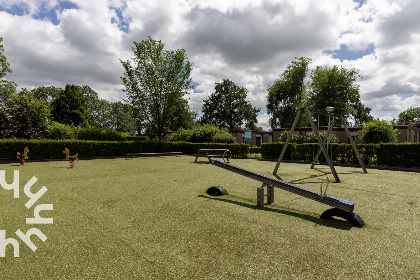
{"x":248,"y":135}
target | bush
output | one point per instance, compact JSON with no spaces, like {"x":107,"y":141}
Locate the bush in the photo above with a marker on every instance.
{"x":59,"y":131}
{"x":296,"y":138}
{"x":181,"y":135}
{"x":96,"y":133}
{"x":223,"y":137}
{"x":377,"y":131}
{"x":311,"y":138}
{"x":207,"y":133}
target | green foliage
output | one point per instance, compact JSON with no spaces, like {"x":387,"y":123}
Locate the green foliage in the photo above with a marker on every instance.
{"x":47,"y":94}
{"x":336,"y":87}
{"x":254,"y":155}
{"x":7,"y":88}
{"x":207,"y":133}
{"x":396,"y":154}
{"x":115,"y":115}
{"x":377,"y":131}
{"x":61,"y":131}
{"x":286,"y":95}
{"x":204,"y":133}
{"x":416,"y":123}
{"x":96,"y":133}
{"x":155,"y":82}
{"x":223,"y":137}
{"x":296,"y":138}
{"x":227,"y":107}
{"x":70,"y":107}
{"x":4,"y":65}
{"x":311,"y":138}
{"x":58,"y":131}
{"x":409,"y":116}
{"x":22,"y":116}
{"x":361,"y":113}
{"x":182,"y":135}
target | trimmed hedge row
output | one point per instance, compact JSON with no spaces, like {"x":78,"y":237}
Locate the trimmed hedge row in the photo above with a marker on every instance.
{"x":53,"y":149}
{"x":397,"y":154}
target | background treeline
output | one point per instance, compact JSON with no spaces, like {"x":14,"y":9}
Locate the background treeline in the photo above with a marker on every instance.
{"x":157,"y":82}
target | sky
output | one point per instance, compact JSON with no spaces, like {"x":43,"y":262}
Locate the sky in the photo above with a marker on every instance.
{"x":250,"y":42}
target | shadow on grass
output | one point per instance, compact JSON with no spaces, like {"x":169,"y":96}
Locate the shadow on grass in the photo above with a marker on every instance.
{"x":321,"y":174}
{"x":333,"y":223}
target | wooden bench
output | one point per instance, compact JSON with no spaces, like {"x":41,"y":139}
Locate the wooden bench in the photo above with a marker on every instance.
{"x":155,"y":154}
{"x":210,"y":153}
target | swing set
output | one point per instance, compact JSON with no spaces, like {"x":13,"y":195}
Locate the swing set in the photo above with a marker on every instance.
{"x":321,"y":142}
{"x":342,"y":208}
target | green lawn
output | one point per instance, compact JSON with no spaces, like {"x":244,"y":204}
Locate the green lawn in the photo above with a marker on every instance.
{"x":150,"y":218}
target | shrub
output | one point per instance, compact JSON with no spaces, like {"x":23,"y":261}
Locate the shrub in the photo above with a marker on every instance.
{"x":296,"y":138}
{"x":311,"y":138}
{"x":181,"y":135}
{"x":59,"y":131}
{"x":96,"y":133}
{"x":207,"y":133}
{"x":377,"y":131}
{"x":223,"y":137}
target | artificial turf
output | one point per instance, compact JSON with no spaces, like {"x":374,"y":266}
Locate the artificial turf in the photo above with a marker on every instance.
{"x":150,"y":218}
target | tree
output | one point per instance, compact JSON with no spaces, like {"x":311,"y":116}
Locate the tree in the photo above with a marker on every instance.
{"x":70,"y":107}
{"x":287,"y":94}
{"x":228,"y":108}
{"x":7,"y":88}
{"x":408,"y":116}
{"x":22,"y":116}
{"x":361,"y":113}
{"x":156,"y":80}
{"x":4,"y":65}
{"x":183,"y":116}
{"x":47,"y":94}
{"x":377,"y":131}
{"x":335,"y":87}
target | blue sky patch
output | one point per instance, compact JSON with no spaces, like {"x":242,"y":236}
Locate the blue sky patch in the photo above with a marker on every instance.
{"x":16,"y":10}
{"x":123,"y":24}
{"x":44,"y":13}
{"x":360,"y":2}
{"x":343,"y":53}
{"x":51,"y":15}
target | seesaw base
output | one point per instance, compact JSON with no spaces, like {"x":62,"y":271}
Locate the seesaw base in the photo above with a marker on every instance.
{"x":352,"y":217}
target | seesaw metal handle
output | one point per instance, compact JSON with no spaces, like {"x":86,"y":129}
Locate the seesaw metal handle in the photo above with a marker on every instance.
{"x":225,"y":154}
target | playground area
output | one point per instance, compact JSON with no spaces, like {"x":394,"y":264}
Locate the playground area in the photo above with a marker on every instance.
{"x":151,"y":218}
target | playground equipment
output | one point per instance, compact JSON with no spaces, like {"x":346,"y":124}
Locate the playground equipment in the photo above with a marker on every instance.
{"x":22,"y":157}
{"x":71,"y":158}
{"x":342,"y":208}
{"x":321,"y":142}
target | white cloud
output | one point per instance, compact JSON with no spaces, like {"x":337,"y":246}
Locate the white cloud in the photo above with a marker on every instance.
{"x":248,"y":42}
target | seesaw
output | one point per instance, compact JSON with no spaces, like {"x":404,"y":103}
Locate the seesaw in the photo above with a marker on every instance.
{"x":342,"y":208}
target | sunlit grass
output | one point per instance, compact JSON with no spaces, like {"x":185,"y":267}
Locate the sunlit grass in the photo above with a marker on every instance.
{"x":150,"y":218}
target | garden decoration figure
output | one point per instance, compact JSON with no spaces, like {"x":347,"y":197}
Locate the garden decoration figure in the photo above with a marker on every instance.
{"x":22,"y":157}
{"x":69,"y":157}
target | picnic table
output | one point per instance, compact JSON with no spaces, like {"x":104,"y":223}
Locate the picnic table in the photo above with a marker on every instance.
{"x":210,"y":153}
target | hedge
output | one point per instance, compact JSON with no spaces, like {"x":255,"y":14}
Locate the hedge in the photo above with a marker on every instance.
{"x":53,"y":149}
{"x":396,"y":154}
